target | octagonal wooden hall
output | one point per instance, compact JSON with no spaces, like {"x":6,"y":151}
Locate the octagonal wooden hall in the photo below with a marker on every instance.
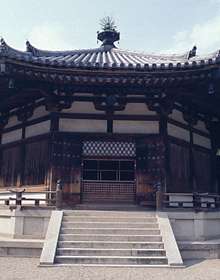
{"x":110,"y":123}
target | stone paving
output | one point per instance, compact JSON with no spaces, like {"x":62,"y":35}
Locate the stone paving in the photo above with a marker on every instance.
{"x":27,"y":269}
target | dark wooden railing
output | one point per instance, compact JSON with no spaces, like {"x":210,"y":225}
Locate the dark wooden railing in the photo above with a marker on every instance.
{"x":29,"y":198}
{"x":18,"y":197}
{"x":197,"y":201}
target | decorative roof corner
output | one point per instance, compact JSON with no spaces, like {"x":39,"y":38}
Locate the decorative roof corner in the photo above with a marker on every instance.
{"x":3,"y":47}
{"x":192,"y":52}
{"x":29,"y":47}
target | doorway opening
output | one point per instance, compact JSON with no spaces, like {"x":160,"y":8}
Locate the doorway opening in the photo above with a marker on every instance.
{"x":108,"y":180}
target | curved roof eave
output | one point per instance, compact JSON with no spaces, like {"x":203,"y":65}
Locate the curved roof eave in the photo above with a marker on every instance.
{"x":106,"y":57}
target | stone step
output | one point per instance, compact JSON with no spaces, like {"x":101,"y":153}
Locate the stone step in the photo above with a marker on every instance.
{"x":130,"y":198}
{"x":109,"y":237}
{"x":109,"y":252}
{"x":109,"y":219}
{"x":108,"y":200}
{"x":111,"y":260}
{"x":91,"y":198}
{"x":107,"y":195}
{"x":110,"y":244}
{"x":109,"y":225}
{"x":108,"y":206}
{"x":117,"y":231}
{"x":112,"y":213}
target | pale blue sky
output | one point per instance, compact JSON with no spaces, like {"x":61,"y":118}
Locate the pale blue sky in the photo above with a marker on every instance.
{"x":145,"y":25}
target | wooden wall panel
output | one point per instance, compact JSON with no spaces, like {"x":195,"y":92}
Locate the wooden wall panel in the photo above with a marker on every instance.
{"x":179,"y":168}
{"x":66,"y":162}
{"x":149,"y":154}
{"x":11,"y":167}
{"x":36,"y":163}
{"x":202,"y":170}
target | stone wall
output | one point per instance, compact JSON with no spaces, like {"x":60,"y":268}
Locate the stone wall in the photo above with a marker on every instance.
{"x":192,"y":226}
{"x":29,"y":224}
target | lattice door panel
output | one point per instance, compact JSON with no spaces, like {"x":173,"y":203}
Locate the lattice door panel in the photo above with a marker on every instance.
{"x":108,"y":148}
{"x":101,"y":191}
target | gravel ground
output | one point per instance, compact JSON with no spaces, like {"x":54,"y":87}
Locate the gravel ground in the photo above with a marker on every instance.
{"x":27,"y":269}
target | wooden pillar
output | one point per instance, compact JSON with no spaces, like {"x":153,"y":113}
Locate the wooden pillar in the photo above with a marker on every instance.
{"x":214,"y":129}
{"x":109,"y":114}
{"x":23,"y":114}
{"x":1,"y":158}
{"x":190,"y":116}
{"x":166,"y":180}
{"x":159,"y":200}
{"x":23,"y":153}
{"x":192,"y":183}
{"x":54,"y":128}
{"x":3,"y":121}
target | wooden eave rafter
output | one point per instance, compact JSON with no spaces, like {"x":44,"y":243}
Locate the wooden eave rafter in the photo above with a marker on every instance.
{"x":107,"y":77}
{"x":94,"y":81}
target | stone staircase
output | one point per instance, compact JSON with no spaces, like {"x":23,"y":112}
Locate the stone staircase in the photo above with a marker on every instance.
{"x":92,"y":237}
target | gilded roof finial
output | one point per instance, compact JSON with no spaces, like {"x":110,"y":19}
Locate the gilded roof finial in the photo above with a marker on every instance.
{"x":108,"y":24}
{"x":109,"y":33}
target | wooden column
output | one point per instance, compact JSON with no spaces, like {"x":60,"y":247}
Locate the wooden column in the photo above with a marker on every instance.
{"x":54,"y":128}
{"x":23,"y":152}
{"x":190,"y":116}
{"x":192,"y":183}
{"x":1,"y":178}
{"x":3,"y":121}
{"x":214,"y":129}
{"x":166,"y":174}
{"x":23,"y":114}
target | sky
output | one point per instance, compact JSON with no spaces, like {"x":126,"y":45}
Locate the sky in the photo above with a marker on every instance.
{"x":151,"y":26}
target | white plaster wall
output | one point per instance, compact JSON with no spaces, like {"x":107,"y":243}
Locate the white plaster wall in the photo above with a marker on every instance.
{"x":136,"y":109}
{"x":37,"y":129}
{"x":201,"y":126}
{"x":12,"y":122}
{"x":82,"y":107}
{"x":82,"y":125}
{"x":39,"y":112}
{"x":201,"y":141}
{"x":178,"y":132}
{"x":146,"y":127}
{"x":12,"y":136}
{"x":177,"y":116}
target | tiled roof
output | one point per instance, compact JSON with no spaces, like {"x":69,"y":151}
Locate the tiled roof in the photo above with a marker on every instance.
{"x":106,"y":56}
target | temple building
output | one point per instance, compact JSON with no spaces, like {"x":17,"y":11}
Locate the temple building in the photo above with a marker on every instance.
{"x":112,"y":124}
